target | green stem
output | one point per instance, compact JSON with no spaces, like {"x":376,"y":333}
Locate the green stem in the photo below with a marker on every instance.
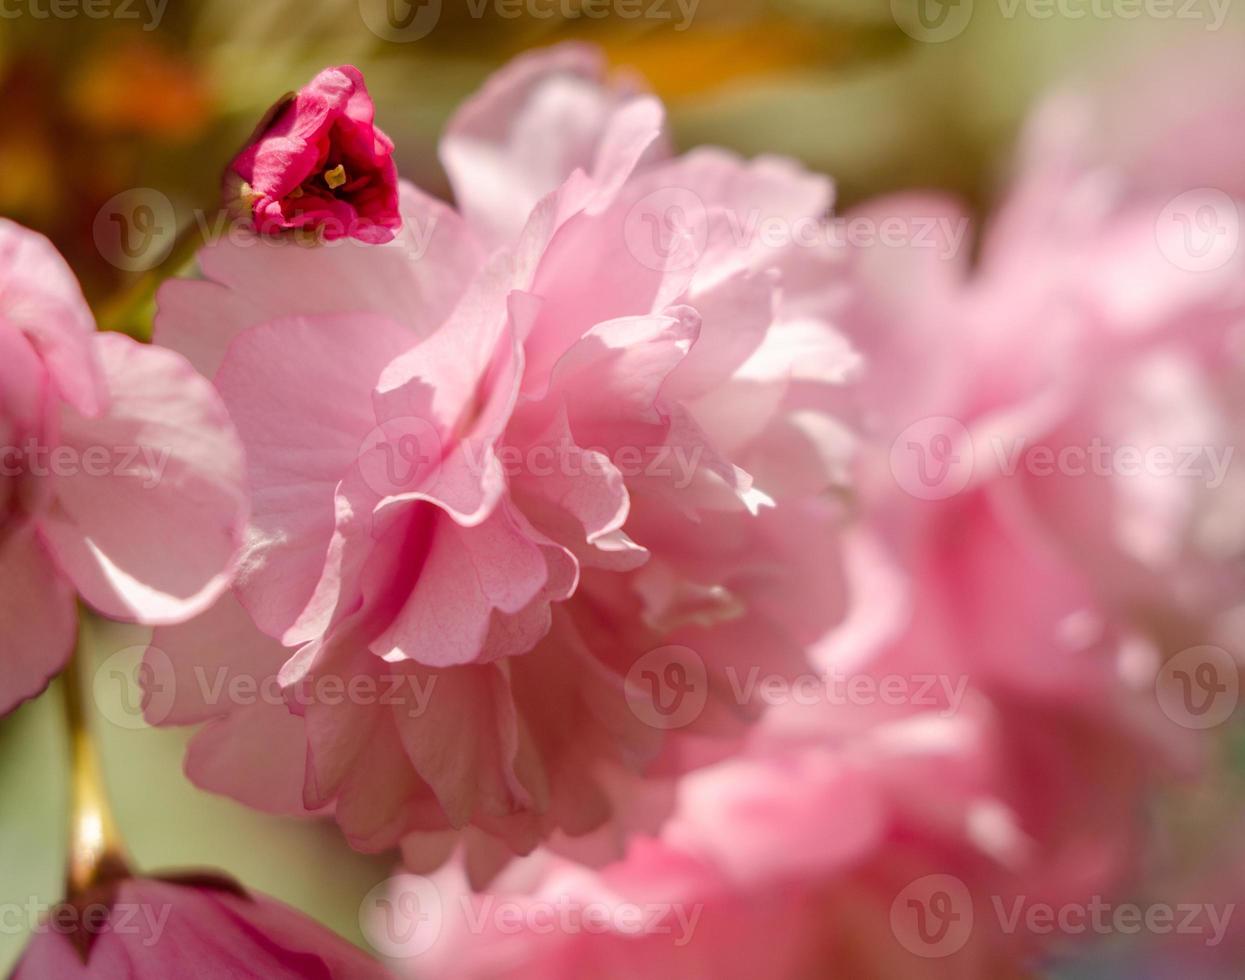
{"x":96,"y":853}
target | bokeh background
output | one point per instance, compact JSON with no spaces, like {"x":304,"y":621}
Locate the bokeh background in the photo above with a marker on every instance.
{"x":161,"y":97}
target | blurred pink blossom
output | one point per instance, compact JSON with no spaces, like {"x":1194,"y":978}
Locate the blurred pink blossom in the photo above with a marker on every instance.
{"x":895,"y":839}
{"x":853,"y":839}
{"x":121,"y":477}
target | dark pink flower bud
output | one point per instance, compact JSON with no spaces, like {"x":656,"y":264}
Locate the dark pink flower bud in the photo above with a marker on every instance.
{"x":185,"y":928}
{"x":319,"y":164}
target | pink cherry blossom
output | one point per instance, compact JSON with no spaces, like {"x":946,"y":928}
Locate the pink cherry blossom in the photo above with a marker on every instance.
{"x":571,"y":424}
{"x":811,"y":851}
{"x":120,"y":479}
{"x":1056,"y":595}
{"x":1089,"y":361}
{"x":188,"y":927}
{"x":319,"y":164}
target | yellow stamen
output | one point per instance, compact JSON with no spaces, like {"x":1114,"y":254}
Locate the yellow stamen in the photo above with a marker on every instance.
{"x":335,"y":177}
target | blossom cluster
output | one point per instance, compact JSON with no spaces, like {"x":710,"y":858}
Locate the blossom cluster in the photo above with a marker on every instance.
{"x":659,"y":595}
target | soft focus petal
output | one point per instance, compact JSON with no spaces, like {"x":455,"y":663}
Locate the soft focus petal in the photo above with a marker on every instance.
{"x":40,"y":622}
{"x":153,"y":538}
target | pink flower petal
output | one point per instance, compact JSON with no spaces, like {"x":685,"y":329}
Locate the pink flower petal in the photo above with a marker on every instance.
{"x":152,"y":538}
{"x":39,"y":617}
{"x":299,"y":392}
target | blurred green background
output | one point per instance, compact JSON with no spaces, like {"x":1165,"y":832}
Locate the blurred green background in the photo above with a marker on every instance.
{"x":92,"y":107}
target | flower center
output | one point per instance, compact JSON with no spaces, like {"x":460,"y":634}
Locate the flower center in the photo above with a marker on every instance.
{"x":336,"y":177}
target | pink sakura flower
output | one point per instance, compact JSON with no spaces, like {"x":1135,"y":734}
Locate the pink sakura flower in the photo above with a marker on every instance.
{"x":120,"y":473}
{"x":854,"y":834}
{"x":500,"y":460}
{"x":319,"y":164}
{"x":784,"y":861}
{"x":1144,"y":252}
{"x":866,"y":837}
{"x":1086,"y":370}
{"x":186,"y":926}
